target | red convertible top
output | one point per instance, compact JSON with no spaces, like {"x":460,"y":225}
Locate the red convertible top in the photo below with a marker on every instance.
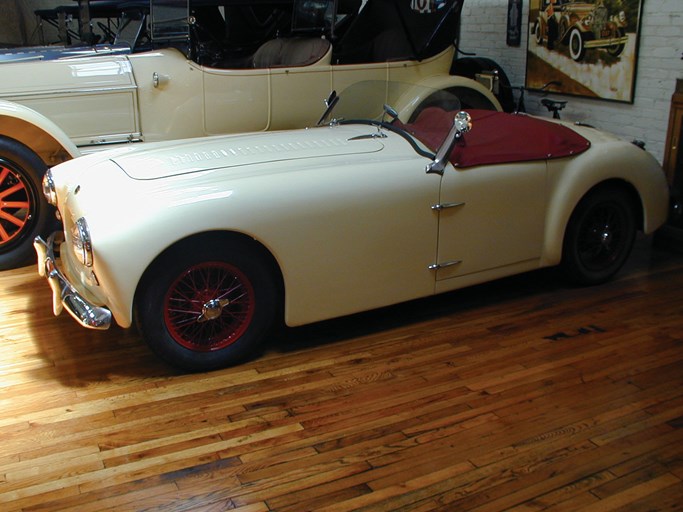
{"x":498,"y":137}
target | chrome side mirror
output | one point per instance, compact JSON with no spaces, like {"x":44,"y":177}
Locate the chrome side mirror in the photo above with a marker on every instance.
{"x":462,"y":123}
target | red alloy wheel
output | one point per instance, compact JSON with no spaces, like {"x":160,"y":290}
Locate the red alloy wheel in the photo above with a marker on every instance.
{"x":209,"y":306}
{"x":15,"y":205}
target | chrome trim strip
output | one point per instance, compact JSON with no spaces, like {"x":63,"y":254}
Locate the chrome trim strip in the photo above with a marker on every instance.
{"x":376,"y":135}
{"x":70,"y":92}
{"x":105,"y":140}
{"x":64,"y":295}
{"x":28,"y":58}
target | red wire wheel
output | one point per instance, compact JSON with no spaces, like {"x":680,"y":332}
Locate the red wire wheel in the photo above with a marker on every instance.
{"x":209,"y":306}
{"x":209,"y":302}
{"x":15,"y":204}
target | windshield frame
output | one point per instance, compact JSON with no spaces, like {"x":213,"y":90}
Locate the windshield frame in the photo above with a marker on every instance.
{"x":413,"y":140}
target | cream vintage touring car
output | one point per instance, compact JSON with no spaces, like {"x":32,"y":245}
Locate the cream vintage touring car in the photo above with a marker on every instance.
{"x":215,"y":67}
{"x":232,"y":234}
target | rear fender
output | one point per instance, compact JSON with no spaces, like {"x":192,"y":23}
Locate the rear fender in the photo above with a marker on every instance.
{"x":37,"y":132}
{"x":637,"y":172}
{"x":451,"y":82}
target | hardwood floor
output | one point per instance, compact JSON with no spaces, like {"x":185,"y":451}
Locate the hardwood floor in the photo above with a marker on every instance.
{"x":520,"y":395}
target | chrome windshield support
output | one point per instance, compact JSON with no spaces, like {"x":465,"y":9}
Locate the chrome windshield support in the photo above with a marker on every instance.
{"x":462,"y":123}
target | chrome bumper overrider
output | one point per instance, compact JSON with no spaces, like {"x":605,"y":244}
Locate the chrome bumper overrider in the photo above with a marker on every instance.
{"x":64,"y":295}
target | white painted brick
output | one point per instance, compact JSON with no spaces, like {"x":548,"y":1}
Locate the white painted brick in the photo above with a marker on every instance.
{"x":661,"y":45}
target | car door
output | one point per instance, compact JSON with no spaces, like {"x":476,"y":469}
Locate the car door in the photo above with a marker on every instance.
{"x":297,"y":95}
{"x":365,"y":236}
{"x":491,"y":221}
{"x":236,"y":100}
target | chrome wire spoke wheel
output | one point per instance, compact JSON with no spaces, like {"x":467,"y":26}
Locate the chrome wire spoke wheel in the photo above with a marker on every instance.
{"x":209,"y":306}
{"x":209,"y":302}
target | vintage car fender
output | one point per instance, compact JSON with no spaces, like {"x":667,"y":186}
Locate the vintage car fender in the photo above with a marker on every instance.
{"x":454,"y":83}
{"x":36,"y":131}
{"x":639,"y":171}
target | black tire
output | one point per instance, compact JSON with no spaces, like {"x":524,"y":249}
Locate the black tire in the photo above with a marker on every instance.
{"x":445,"y":100}
{"x":455,"y":98}
{"x":577,"y":47}
{"x":470,"y":99}
{"x":187,"y":282}
{"x":538,"y":32}
{"x":469,"y":67}
{"x":599,"y":237}
{"x":24,"y":211}
{"x":617,"y":49}
{"x":553,"y":32}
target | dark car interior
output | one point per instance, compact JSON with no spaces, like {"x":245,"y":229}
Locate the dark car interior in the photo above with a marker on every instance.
{"x":265,"y":33}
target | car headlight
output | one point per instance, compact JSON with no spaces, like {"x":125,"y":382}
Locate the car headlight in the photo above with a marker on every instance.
{"x":49,"y":190}
{"x":80,"y":242}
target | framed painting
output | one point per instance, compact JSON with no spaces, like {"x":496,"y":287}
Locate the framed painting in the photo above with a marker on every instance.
{"x":589,"y":47}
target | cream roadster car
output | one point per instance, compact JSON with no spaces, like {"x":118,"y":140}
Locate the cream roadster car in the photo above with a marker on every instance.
{"x":233,"y":234}
{"x":209,"y":67}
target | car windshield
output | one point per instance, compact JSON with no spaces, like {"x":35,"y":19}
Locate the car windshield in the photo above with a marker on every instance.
{"x":415,"y":112}
{"x":366,"y":100}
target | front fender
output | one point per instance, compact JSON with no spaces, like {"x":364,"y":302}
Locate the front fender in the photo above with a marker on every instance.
{"x":37,"y":132}
{"x":570,"y":182}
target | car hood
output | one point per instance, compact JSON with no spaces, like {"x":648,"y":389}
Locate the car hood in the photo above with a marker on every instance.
{"x":243,"y":152}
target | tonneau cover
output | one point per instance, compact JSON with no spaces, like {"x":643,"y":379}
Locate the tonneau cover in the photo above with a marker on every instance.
{"x":498,"y":137}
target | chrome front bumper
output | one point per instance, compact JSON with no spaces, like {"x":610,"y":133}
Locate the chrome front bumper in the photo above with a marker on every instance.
{"x":64,"y":295}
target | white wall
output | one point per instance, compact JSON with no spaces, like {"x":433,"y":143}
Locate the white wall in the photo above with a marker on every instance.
{"x":483,"y":31}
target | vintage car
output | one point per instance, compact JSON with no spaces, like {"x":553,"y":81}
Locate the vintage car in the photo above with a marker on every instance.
{"x":233,"y":234}
{"x":581,"y":26}
{"x":229,"y":66}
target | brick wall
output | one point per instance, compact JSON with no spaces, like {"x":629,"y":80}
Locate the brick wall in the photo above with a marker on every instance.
{"x":659,"y":65}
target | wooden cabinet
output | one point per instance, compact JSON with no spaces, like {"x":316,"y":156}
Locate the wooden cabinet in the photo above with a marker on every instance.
{"x":671,"y":234}
{"x":673,"y":156}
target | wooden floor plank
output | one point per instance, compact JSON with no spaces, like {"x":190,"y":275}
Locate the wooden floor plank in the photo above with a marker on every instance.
{"x":520,"y":395}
